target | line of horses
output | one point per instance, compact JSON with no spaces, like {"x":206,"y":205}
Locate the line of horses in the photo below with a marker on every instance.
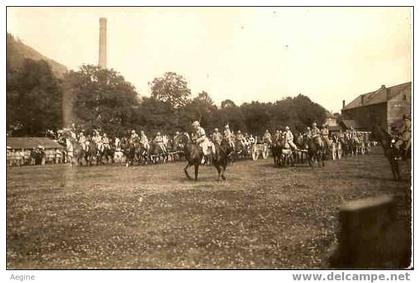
{"x":309,"y":150}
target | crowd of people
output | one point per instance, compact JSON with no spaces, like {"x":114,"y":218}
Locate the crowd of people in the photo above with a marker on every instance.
{"x":68,"y":137}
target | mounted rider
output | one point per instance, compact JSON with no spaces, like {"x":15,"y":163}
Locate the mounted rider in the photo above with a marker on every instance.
{"x":105,"y":142}
{"x":227,"y":134}
{"x":134,"y":136}
{"x":325,"y":133}
{"x":315,"y":132}
{"x":251,"y":139}
{"x":267,"y":137}
{"x":289,"y":138}
{"x":277,"y":135}
{"x":240,"y":138}
{"x":199,"y":137}
{"x":83,"y":141}
{"x":144,"y":141}
{"x":217,"y":136}
{"x":97,"y":139}
{"x":405,"y":134}
{"x":117,"y":143}
{"x":353,"y":135}
{"x":159,"y":141}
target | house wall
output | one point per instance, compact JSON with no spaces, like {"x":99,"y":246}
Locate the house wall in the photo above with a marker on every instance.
{"x":399,"y":105}
{"x":331,"y":122}
{"x":368,"y":116}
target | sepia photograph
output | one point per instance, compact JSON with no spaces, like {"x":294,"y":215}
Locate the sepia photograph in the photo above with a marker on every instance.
{"x":209,"y":138}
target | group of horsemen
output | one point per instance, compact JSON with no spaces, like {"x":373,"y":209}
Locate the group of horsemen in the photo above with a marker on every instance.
{"x":235,"y":140}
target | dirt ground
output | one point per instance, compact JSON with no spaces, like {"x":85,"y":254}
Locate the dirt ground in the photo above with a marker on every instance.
{"x":153,"y":217}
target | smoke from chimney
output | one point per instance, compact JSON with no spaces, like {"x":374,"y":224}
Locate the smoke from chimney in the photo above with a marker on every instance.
{"x":102,"y":43}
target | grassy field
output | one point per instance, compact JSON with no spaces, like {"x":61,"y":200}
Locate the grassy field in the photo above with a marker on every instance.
{"x":153,"y":217}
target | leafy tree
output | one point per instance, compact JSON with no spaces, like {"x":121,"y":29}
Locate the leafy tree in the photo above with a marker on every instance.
{"x":171,"y":88}
{"x":101,"y":98}
{"x":34,"y":99}
{"x":228,"y":104}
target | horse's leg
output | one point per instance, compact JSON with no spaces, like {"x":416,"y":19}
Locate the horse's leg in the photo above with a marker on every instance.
{"x":196,"y":170}
{"x":186,"y":170}
{"x":219,"y":171}
{"x":224,"y":170}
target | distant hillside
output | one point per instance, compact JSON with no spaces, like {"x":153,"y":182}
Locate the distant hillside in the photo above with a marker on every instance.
{"x":17,"y":51}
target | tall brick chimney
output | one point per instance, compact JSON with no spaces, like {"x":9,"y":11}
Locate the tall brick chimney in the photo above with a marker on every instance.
{"x":102,"y":43}
{"x":344,"y":104}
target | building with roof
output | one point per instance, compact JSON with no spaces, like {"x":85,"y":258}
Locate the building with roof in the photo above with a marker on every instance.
{"x":383,"y":107}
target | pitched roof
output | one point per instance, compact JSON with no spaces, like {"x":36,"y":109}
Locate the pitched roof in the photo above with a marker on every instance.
{"x":31,"y":142}
{"x":334,"y":128}
{"x":350,"y":123}
{"x":377,"y":96}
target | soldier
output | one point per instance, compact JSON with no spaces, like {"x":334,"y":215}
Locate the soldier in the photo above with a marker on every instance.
{"x":134,"y":136}
{"x":159,"y":141}
{"x":9,"y":156}
{"x":325,"y":135}
{"x":240,"y":138}
{"x":105,"y":142}
{"x":353,"y":135}
{"x":82,"y":140}
{"x":289,"y":138}
{"x":217,"y":136}
{"x":199,"y":137}
{"x":277,"y":135}
{"x":308,"y":132}
{"x":267,"y":137}
{"x":144,"y":140}
{"x":96,"y":138}
{"x":405,"y":134}
{"x":251,"y":139}
{"x":176,"y":135}
{"x":117,"y":143}
{"x":229,"y":136}
{"x":315,"y":132}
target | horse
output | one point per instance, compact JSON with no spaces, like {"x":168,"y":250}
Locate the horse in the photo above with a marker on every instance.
{"x":157,"y":153}
{"x":77,"y":154}
{"x":108,"y":153}
{"x":91,"y":153}
{"x":387,"y":142}
{"x":276,"y":148}
{"x":221,"y":158}
{"x":302,"y":153}
{"x":194,"y":155}
{"x":241,"y":150}
{"x":282,"y":153}
{"x":315,"y":150}
{"x":129,"y":151}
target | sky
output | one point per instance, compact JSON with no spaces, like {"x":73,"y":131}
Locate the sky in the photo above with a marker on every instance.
{"x":242,"y":54}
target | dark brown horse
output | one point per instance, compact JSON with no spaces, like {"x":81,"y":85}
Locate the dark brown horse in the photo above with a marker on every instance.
{"x":315,"y":151}
{"x":221,"y":158}
{"x":194,"y":155}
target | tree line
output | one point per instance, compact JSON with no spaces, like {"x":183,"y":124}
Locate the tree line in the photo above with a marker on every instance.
{"x":93,"y":97}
